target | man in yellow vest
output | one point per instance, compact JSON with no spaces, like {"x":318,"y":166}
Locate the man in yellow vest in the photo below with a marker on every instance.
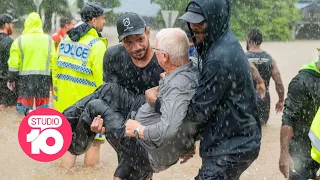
{"x":78,"y":69}
{"x":314,"y":135}
{"x":301,"y":105}
{"x":31,"y":55}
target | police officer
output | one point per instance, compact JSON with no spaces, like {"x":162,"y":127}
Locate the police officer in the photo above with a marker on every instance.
{"x":78,"y":69}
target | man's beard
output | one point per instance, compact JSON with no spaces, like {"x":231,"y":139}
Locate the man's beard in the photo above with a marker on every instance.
{"x":9,"y":30}
{"x":98,"y":29}
{"x":197,"y":33}
{"x":143,"y":49}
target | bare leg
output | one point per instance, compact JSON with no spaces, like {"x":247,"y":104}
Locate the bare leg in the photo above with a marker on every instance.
{"x":92,"y":156}
{"x":2,"y":107}
{"x":68,"y":160}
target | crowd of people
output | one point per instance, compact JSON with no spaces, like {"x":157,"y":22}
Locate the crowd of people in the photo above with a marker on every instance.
{"x":152,"y":103}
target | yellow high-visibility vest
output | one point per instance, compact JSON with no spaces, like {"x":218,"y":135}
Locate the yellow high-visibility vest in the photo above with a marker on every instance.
{"x":78,"y":70}
{"x":33,"y":52}
{"x":314,"y":135}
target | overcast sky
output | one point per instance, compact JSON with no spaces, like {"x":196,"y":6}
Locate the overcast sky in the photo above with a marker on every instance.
{"x":142,"y":7}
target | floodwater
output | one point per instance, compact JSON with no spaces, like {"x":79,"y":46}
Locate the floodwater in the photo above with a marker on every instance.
{"x":14,"y":164}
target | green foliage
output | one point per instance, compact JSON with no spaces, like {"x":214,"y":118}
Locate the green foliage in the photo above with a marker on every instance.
{"x":17,"y":8}
{"x":179,"y":5}
{"x":57,"y":6}
{"x":274,"y":18}
{"x":104,"y":3}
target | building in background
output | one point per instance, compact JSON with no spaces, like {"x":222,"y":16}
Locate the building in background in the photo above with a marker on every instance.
{"x":309,"y":25}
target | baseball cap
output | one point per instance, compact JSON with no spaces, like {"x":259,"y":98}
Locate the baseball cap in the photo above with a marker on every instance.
{"x":6,"y":18}
{"x":129,"y":24}
{"x":91,"y":10}
{"x":193,"y":15}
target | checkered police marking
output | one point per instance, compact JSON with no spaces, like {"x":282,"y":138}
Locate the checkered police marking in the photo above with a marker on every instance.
{"x":76,"y":80}
{"x":75,"y":67}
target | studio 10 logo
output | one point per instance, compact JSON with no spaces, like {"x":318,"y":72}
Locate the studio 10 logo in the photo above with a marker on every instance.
{"x":45,"y":135}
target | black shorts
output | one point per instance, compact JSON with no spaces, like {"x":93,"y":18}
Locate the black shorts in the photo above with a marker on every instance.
{"x":264,"y":108}
{"x":125,"y":171}
{"x":225,"y":167}
{"x":305,"y":168}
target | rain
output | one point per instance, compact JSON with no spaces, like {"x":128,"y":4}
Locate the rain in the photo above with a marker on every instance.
{"x":291,"y":34}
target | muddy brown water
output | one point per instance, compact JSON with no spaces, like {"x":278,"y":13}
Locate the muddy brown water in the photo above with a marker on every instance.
{"x":14,"y":164}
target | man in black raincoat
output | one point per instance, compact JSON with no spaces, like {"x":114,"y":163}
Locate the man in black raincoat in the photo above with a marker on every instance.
{"x":8,"y":97}
{"x":225,"y":98}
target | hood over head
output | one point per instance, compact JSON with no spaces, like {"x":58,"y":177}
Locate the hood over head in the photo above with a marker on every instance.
{"x":33,"y":24}
{"x":216,"y":13}
{"x":311,"y":66}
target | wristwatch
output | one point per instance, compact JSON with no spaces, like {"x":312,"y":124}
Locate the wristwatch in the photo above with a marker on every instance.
{"x":136,"y":132}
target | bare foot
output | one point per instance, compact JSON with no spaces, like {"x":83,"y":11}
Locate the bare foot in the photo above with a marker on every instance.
{"x":2,"y":107}
{"x":68,"y":160}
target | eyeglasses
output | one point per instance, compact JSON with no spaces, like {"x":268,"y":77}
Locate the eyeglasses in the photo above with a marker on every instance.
{"x":154,"y":48}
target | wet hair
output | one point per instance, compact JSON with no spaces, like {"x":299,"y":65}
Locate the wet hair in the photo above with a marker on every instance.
{"x":255,"y":36}
{"x":65,"y":20}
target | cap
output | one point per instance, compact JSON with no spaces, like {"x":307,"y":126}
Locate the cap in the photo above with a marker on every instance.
{"x":129,"y":24}
{"x":193,"y":15}
{"x":6,"y":18}
{"x":92,"y":10}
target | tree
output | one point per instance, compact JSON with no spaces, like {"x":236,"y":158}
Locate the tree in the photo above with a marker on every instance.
{"x":17,"y":8}
{"x":104,"y":3}
{"x":59,"y":7}
{"x":275,"y":18}
{"x":179,"y":5}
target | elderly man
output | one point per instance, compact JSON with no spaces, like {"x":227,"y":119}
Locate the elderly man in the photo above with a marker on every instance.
{"x":160,"y":139}
{"x":224,"y":102}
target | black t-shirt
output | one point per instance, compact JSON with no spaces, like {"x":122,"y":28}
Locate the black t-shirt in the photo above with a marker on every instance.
{"x":5,"y":45}
{"x":119,"y":68}
{"x":263,"y":62}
